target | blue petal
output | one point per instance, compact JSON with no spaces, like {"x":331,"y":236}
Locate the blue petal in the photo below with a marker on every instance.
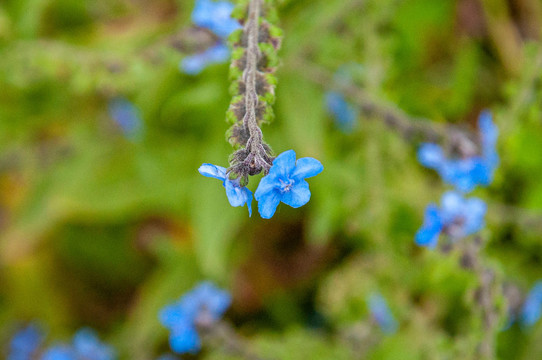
{"x":184,"y":339}
{"x":194,"y":64}
{"x":475,"y":210}
{"x":216,"y":301}
{"x":238,"y":196}
{"x":298,"y":195}
{"x":267,"y":204}
{"x":452,"y":205}
{"x":218,"y":54}
{"x":176,"y":314}
{"x":267,"y":184}
{"x":306,"y":168}
{"x":284,"y":164}
{"x":432,"y":226}
{"x":532,"y":307}
{"x":215,"y":16}
{"x":488,"y":131}
{"x":431,"y":155}
{"x":214,"y":171}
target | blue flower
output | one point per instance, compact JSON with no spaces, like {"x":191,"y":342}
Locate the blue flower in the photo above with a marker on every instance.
{"x":285,"y":182}
{"x":215,"y":16}
{"x":25,"y":343}
{"x":457,"y":217}
{"x":466,"y":173}
{"x":532,"y":307}
{"x":381,"y":314}
{"x":344,"y":113}
{"x":194,"y":64}
{"x":204,"y":305}
{"x":127,"y":117}
{"x":237,"y":195}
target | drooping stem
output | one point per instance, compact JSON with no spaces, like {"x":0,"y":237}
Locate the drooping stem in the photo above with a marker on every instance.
{"x":249,"y":75}
{"x":253,"y":65}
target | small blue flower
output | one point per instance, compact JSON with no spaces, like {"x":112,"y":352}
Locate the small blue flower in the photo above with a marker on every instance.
{"x":466,"y":173}
{"x":457,"y":217}
{"x":344,"y":113}
{"x":25,"y":343}
{"x":205,"y":304}
{"x":88,"y":346}
{"x":237,"y":195}
{"x":381,"y":314}
{"x":215,"y":16}
{"x":285,"y":182}
{"x":194,"y":64}
{"x":127,"y":117}
{"x":532,"y":307}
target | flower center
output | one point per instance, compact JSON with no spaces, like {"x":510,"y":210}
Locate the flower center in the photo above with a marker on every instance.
{"x":285,"y":186}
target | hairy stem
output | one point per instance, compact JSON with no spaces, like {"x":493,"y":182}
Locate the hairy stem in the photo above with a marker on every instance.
{"x":249,"y":76}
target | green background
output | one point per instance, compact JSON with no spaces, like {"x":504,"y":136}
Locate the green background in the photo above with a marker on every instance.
{"x":103,"y":231}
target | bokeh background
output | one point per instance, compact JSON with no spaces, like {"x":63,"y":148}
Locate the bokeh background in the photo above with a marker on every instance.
{"x":103,"y":223}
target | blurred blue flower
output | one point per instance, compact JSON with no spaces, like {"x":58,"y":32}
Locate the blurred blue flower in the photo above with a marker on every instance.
{"x":457,"y":217}
{"x":381,"y":313}
{"x":127,"y":117}
{"x":532,"y":307}
{"x":466,"y":173}
{"x":215,"y":16}
{"x":204,"y":305}
{"x":237,"y":195}
{"x":345,"y":114}
{"x":285,"y":182}
{"x":194,"y":64}
{"x":25,"y":343}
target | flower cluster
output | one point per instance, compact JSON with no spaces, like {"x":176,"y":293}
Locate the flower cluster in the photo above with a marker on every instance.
{"x":381,"y":313}
{"x":284,"y":183}
{"x":199,"y":308}
{"x":216,"y":17}
{"x":27,"y":344}
{"x":344,"y":113}
{"x":457,"y":216}
{"x":467,"y":172}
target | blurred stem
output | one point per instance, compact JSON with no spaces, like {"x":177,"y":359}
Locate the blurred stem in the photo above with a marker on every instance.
{"x":486,"y":297}
{"x":408,"y":127}
{"x":504,"y":35}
